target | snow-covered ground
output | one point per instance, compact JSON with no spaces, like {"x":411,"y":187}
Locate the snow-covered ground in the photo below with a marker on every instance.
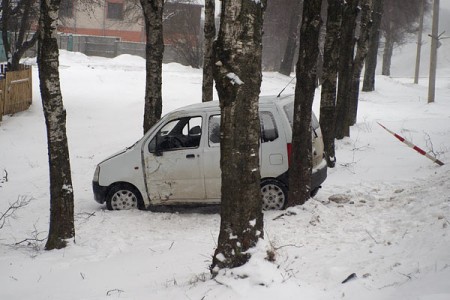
{"x":393,"y":233}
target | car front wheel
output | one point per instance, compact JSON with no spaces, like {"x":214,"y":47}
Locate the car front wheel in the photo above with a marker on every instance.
{"x":123,"y":197}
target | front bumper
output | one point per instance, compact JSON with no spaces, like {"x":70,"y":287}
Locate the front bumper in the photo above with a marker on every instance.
{"x":99,"y":192}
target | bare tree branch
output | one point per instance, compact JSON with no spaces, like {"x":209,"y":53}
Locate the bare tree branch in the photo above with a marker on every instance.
{"x":21,"y":201}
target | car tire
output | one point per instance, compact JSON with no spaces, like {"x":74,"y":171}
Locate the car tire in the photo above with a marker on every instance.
{"x":274,"y":194}
{"x":124,"y":196}
{"x":314,"y":192}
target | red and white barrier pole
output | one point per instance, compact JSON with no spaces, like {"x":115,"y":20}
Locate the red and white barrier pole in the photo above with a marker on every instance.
{"x":411,"y":145}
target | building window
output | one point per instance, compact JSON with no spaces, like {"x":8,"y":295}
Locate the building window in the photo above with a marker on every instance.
{"x":115,"y":11}
{"x":66,"y":9}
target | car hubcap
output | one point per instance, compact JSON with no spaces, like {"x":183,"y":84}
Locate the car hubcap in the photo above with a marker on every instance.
{"x":272,"y":197}
{"x":123,"y":199}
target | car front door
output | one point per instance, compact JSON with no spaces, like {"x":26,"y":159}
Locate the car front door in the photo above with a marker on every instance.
{"x":173,"y":161}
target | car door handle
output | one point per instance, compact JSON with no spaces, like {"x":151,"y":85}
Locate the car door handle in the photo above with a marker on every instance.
{"x":190,"y":156}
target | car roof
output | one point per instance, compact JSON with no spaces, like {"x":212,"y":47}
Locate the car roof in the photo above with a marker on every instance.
{"x":214,"y":105}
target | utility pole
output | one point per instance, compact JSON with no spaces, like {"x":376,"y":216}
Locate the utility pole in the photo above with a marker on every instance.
{"x":419,"y":43}
{"x":433,"y":56}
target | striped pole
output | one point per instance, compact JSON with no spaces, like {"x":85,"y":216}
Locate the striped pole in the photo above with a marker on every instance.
{"x":411,"y":145}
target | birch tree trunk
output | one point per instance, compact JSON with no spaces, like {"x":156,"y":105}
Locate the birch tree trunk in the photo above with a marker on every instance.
{"x":237,"y":73}
{"x":61,"y":190}
{"x":329,"y":77}
{"x":154,"y":50}
{"x":358,"y":62}
{"x":210,"y":34}
{"x":374,"y":42}
{"x":300,"y":175}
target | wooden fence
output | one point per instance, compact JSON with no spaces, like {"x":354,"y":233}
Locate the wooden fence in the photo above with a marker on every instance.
{"x":15,"y":90}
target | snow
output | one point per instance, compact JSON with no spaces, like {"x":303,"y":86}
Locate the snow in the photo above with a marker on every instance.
{"x":234,"y":79}
{"x":391,"y":230}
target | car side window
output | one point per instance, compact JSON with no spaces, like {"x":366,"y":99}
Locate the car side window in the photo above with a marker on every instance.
{"x":214,"y":130}
{"x":269,"y":131}
{"x":177,"y":134}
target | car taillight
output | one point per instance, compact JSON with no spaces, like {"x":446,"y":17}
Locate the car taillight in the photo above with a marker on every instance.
{"x":289,"y":153}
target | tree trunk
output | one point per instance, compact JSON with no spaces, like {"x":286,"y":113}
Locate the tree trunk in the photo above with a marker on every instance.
{"x":322,"y":34}
{"x":61,"y":190}
{"x":6,"y":14}
{"x":387,"y":54}
{"x":210,"y":34}
{"x":358,"y":63}
{"x":300,"y":175}
{"x":419,"y":43}
{"x":289,"y":53}
{"x":435,"y":36}
{"x":23,"y":13}
{"x":154,"y":50}
{"x":329,"y":77}
{"x":237,"y":73}
{"x":374,"y":42}
{"x":345,"y":67}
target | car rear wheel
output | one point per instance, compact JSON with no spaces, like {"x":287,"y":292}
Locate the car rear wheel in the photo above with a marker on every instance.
{"x":273,"y":194}
{"x":124,"y":197}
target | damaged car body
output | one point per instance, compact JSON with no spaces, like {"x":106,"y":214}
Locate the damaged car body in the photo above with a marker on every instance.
{"x":178,"y":160}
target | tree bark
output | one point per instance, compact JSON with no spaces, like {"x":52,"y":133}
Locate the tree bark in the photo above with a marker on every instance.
{"x":329,"y":77}
{"x":61,"y":190}
{"x":154,"y":50}
{"x":419,"y":43}
{"x":358,"y":62}
{"x":374,"y":42}
{"x":387,"y":54}
{"x":6,"y":14}
{"x":300,"y":175}
{"x":289,"y":53}
{"x":433,"y":55}
{"x":237,"y":73}
{"x":345,"y":67}
{"x":210,"y":34}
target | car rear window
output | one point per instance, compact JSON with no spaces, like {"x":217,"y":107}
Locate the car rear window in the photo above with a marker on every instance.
{"x":269,"y":130}
{"x":289,"y":111}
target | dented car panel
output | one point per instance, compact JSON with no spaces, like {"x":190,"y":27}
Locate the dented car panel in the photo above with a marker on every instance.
{"x":178,"y":160}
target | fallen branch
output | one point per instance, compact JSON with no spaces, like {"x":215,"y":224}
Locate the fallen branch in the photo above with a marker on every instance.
{"x":372,"y":237}
{"x":33,"y":241}
{"x":29,"y":241}
{"x":349,"y":277}
{"x":288,"y":213}
{"x":108,"y":293}
{"x":288,"y":245}
{"x":21,"y":201}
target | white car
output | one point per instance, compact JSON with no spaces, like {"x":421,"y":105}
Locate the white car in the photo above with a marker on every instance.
{"x":178,"y":160}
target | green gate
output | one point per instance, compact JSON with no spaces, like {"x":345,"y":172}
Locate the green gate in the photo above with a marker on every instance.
{"x":2,"y":51}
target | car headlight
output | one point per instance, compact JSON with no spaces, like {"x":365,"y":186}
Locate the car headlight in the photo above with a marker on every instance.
{"x":96,"y":173}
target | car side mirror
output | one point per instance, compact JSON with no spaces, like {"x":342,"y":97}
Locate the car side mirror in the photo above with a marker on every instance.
{"x":155,"y":147}
{"x":158,"y":152}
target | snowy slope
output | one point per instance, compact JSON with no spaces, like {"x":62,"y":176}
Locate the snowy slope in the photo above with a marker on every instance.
{"x":393,"y":232}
